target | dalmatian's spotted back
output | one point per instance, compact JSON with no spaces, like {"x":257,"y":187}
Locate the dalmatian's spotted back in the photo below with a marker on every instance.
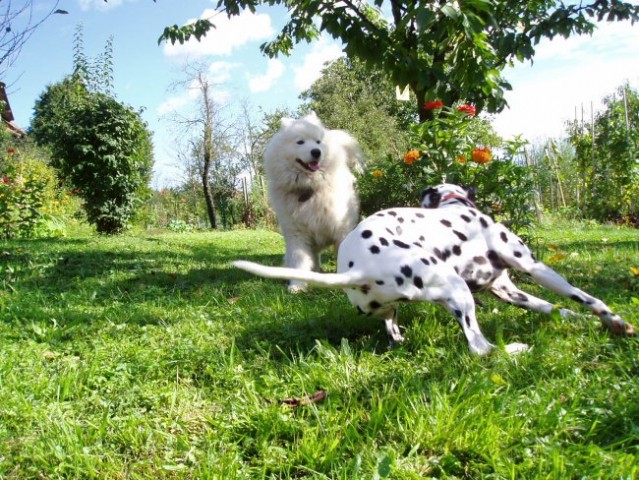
{"x":441,"y":253}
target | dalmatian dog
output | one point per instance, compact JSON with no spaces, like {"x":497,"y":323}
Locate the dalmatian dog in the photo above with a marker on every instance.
{"x":441,"y":253}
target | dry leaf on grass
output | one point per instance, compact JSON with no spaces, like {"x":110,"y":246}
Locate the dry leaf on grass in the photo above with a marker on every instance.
{"x":295,"y":402}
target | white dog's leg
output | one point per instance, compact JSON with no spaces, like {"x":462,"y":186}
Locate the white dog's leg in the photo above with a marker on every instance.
{"x":301,"y":256}
{"x":504,"y":289}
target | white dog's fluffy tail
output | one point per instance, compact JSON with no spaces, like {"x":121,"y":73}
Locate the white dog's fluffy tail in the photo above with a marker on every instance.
{"x":334,"y":280}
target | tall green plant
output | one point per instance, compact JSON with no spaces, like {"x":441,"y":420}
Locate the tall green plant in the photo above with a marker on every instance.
{"x":30,"y":200}
{"x":104,"y":149}
{"x":101,"y":146}
{"x":609,"y":162}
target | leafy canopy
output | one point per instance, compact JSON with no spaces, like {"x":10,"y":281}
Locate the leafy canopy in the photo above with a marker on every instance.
{"x":445,"y":50}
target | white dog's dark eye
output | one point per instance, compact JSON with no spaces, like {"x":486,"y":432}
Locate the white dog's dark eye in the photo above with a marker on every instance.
{"x":300,"y":142}
{"x":318,"y":142}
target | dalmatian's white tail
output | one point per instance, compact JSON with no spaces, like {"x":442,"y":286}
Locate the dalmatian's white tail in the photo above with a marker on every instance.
{"x":330,"y":280}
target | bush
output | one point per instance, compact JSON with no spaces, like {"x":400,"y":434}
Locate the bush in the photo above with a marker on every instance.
{"x":31,"y":203}
{"x":455,"y":147}
{"x":102,"y":148}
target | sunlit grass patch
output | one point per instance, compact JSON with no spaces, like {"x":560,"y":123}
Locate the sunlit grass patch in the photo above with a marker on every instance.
{"x":147,"y":356}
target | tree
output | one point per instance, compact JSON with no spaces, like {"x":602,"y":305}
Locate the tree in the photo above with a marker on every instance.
{"x":443,"y":50}
{"x":210,"y":144}
{"x":17,"y":24}
{"x":351,"y":97}
{"x":101,"y":146}
{"x":103,"y":149}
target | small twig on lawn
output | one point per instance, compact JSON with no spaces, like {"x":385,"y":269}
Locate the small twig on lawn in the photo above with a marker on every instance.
{"x":295,"y":402}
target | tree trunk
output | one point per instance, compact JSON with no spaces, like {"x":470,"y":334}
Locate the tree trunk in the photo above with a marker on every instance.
{"x":206,"y":187}
{"x":424,"y":114}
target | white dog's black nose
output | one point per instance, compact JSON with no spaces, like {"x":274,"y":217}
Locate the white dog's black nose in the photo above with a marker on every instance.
{"x":316,"y":153}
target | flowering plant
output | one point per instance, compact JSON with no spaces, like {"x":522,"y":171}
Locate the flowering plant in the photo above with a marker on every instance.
{"x":467,"y":109}
{"x":31,"y":203}
{"x":433,"y":104}
{"x":481,"y":155}
{"x":411,"y":156}
{"x":455,"y":146}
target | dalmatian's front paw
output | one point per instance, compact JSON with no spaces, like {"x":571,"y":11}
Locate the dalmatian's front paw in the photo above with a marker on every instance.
{"x":394,"y":335}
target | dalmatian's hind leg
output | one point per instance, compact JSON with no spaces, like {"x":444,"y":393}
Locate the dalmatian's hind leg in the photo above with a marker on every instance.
{"x":522,"y":259}
{"x":504,"y":289}
{"x":458,"y":299}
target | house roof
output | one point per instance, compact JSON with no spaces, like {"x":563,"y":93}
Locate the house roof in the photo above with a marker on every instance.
{"x":7,"y":114}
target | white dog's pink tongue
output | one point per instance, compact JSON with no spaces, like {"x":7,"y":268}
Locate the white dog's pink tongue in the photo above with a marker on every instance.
{"x":314,"y":166}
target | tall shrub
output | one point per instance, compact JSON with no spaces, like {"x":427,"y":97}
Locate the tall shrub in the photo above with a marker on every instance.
{"x":101,"y":147}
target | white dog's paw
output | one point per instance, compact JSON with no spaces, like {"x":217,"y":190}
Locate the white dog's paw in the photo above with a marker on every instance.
{"x":297,"y":288}
{"x":516,"y":348}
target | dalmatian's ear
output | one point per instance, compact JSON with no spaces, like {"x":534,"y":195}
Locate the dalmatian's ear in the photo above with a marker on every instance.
{"x":472,"y":193}
{"x":431,"y":198}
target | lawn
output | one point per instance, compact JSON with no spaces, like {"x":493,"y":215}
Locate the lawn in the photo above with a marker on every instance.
{"x":146,"y":357}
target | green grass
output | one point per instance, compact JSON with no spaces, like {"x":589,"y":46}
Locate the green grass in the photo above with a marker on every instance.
{"x":146,"y":357}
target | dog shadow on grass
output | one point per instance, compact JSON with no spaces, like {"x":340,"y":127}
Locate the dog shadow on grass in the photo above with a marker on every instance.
{"x":150,"y":287}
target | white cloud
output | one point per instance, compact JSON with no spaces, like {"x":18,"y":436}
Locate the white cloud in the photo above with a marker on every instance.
{"x":311,"y":68}
{"x":568,"y":74}
{"x":227,"y":35}
{"x":219,"y":73}
{"x":261,"y":83}
{"x":101,"y":5}
{"x":178,"y":102}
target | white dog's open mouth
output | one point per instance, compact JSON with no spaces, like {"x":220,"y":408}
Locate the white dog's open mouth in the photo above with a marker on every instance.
{"x":312,"y":166}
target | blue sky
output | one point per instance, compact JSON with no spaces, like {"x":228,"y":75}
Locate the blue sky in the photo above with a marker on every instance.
{"x":565,"y":73}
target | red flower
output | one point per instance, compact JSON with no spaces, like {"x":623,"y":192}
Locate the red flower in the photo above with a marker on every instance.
{"x":10,"y":150}
{"x":433,"y":104}
{"x":6,"y":180}
{"x":467,"y":109}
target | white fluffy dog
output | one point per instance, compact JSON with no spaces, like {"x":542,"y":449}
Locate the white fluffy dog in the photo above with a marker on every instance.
{"x":312,"y":189}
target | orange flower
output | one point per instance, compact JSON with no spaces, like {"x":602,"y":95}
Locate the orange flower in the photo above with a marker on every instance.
{"x":377,"y":173}
{"x":482,"y":155}
{"x":411,"y":156}
{"x":461,"y":159}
